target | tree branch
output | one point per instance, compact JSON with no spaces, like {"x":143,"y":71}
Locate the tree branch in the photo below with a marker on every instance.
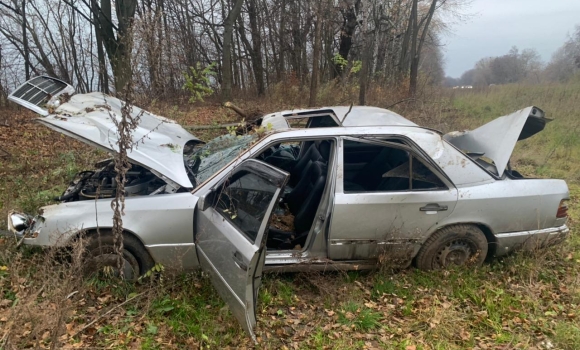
{"x":17,"y":11}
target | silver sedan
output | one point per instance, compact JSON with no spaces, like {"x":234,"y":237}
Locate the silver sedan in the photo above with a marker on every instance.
{"x":353,"y":186}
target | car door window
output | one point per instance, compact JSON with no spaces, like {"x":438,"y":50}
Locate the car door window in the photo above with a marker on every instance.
{"x":374,"y":167}
{"x":231,"y":229}
{"x":244,"y":201}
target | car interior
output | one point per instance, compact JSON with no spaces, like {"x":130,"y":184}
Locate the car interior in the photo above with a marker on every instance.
{"x":372,"y":167}
{"x":368,"y":167}
{"x":307,"y":163}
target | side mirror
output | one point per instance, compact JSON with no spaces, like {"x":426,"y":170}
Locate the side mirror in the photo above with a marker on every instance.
{"x":205,"y":201}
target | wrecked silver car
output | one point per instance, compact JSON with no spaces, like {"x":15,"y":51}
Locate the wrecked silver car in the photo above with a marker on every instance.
{"x":357,"y":185}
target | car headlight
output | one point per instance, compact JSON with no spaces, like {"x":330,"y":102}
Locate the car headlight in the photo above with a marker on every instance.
{"x":18,"y":222}
{"x":23,"y":224}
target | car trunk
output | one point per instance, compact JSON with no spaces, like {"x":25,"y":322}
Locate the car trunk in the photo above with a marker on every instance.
{"x":492,"y":144}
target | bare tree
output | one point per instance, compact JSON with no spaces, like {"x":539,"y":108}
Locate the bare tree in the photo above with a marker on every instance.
{"x":227,"y":49}
{"x":316,"y":56}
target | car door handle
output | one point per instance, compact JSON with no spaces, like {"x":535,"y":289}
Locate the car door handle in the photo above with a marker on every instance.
{"x":239,"y":261}
{"x":433,"y":207}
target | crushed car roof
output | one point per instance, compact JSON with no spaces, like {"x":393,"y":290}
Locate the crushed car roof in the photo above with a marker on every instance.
{"x":347,"y":116}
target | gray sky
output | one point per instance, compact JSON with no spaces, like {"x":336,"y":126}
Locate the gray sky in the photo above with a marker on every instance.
{"x":497,"y":25}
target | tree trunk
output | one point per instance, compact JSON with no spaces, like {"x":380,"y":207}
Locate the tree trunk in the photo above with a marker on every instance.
{"x":227,"y":50}
{"x":349,"y":24}
{"x":364,"y":72}
{"x":256,"y":49}
{"x":103,"y":76}
{"x":282,"y":65}
{"x":417,"y":50}
{"x":404,"y":58}
{"x":316,"y":57}
{"x":25,"y":42}
{"x":118,"y":47}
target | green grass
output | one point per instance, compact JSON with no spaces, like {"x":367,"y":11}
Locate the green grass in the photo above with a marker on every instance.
{"x":358,"y":317}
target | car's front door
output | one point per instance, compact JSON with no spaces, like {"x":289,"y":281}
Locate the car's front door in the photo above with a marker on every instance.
{"x":231,"y":228}
{"x":386,"y":201}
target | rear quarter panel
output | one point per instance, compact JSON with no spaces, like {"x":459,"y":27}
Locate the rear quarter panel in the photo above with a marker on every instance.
{"x":510,"y":205}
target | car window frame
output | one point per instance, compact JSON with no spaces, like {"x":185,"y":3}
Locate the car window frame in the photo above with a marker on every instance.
{"x":325,"y":208}
{"x":314,"y":114}
{"x":382,"y":141}
{"x":427,"y":160}
{"x":222,"y":182}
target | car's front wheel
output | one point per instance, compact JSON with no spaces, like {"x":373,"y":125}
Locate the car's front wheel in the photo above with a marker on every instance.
{"x":457,"y":245}
{"x":102,"y":256}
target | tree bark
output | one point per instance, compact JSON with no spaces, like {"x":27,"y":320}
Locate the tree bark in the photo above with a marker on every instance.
{"x":349,"y":24}
{"x":316,"y":57}
{"x":25,"y":42}
{"x":256,"y":49}
{"x":364,"y":72}
{"x":118,"y":47}
{"x":227,"y":50}
{"x":418,"y":45}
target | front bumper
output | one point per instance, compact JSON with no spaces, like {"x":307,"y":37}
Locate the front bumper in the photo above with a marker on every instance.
{"x":530,"y":240}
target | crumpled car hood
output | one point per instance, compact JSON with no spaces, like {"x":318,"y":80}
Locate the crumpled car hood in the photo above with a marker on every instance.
{"x":497,"y":139}
{"x":158,"y":141}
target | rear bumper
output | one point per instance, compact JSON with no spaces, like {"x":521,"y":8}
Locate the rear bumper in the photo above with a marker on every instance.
{"x":530,"y":240}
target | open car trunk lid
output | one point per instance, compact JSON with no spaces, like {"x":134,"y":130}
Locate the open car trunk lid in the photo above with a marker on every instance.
{"x":496,"y":140}
{"x":158,"y":142}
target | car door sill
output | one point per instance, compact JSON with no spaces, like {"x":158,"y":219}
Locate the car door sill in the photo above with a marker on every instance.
{"x":321,"y":265}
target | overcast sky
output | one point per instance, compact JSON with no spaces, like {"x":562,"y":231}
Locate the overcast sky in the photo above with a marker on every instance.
{"x":496,"y":25}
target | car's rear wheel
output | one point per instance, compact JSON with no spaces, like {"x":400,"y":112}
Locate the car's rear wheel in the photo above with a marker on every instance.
{"x":457,"y":245}
{"x":102,"y":256}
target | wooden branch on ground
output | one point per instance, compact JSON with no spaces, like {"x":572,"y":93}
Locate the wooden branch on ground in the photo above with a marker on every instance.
{"x":236,"y":109}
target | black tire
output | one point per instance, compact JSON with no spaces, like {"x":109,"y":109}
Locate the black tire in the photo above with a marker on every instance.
{"x":463,"y":245}
{"x":101,"y":254}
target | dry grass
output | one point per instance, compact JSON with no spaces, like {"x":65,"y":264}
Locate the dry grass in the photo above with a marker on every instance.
{"x":524,"y":301}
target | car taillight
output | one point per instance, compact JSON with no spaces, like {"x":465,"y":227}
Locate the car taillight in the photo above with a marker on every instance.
{"x":562,"y":209}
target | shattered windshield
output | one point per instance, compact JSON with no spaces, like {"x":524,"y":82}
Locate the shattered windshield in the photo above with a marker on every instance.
{"x":204,"y":161}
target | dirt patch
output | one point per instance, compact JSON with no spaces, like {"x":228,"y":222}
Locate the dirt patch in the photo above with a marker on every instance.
{"x":284,"y":222}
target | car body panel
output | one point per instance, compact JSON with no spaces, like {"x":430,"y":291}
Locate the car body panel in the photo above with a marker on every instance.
{"x":233,"y":260}
{"x":163,"y":223}
{"x":532,"y":204}
{"x":158,"y":141}
{"x":389,"y":224}
{"x":345,"y":116}
{"x":496,"y":140}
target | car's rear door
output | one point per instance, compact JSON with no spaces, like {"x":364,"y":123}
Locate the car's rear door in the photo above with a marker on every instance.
{"x":231,"y":228}
{"x":387,"y":199}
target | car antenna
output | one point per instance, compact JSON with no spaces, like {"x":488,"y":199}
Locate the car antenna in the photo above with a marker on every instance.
{"x":350,"y":109}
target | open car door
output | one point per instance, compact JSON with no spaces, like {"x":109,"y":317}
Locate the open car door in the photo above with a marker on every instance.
{"x":231,"y":228}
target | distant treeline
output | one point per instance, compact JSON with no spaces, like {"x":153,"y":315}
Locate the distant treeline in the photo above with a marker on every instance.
{"x":524,"y":66}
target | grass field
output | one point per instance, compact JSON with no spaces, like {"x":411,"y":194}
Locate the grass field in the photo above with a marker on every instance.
{"x":527,"y":301}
